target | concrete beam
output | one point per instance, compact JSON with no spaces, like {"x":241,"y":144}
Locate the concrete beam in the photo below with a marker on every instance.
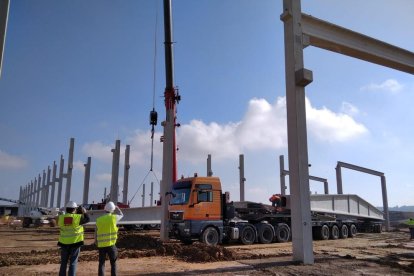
{"x":328,"y":36}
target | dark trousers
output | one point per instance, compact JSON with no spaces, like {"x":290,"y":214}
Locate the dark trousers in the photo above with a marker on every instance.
{"x":69,"y":254}
{"x":112,"y":253}
{"x":412,"y":232}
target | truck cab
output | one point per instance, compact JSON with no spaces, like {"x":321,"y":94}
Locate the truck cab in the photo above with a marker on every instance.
{"x":195,"y":210}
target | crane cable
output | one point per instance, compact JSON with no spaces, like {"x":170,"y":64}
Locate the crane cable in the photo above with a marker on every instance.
{"x":153,"y":113}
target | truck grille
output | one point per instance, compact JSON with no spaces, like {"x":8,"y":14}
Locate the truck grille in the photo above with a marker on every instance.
{"x":176,"y":215}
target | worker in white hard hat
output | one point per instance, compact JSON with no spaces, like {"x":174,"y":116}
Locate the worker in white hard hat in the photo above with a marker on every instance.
{"x":71,"y":236}
{"x":106,"y":235}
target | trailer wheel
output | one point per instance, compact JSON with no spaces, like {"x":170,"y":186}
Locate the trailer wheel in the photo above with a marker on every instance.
{"x":248,"y":235}
{"x":344,"y":232}
{"x":26,"y":222}
{"x":334,"y":232}
{"x":266,"y":233}
{"x":210,"y":236}
{"x":352,"y":230}
{"x":282,"y":232}
{"x":322,"y":232}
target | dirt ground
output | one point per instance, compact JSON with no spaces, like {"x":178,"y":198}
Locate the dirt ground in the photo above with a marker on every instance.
{"x":34,"y":252}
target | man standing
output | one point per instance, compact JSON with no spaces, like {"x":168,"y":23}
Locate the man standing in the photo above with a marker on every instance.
{"x":106,"y":235}
{"x":410,"y":223}
{"x":71,"y":236}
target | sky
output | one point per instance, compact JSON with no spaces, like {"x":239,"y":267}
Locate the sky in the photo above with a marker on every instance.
{"x":85,"y":69}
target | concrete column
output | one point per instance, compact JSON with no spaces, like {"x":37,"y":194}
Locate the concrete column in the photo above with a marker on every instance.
{"x":60,"y":183}
{"x":242,"y":178}
{"x":115,"y":172}
{"x":297,"y":77}
{"x":209,"y":171}
{"x":69,"y":172}
{"x":282,"y":175}
{"x":126,"y":176}
{"x":338,"y":179}
{"x":47,"y":186}
{"x":53,"y":184}
{"x":38,"y":190}
{"x":86,"y":180}
{"x":385,"y":203}
{"x":143,"y":195}
{"x":152,"y":194}
{"x":44,"y":200}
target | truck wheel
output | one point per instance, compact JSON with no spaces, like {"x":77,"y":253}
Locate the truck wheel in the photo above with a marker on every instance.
{"x":282,"y":232}
{"x":37,"y":223}
{"x":248,"y":235}
{"x":322,"y":232}
{"x":352,"y":231}
{"x":210,"y":236}
{"x":52,"y":222}
{"x":26,"y":222}
{"x":266,"y":233}
{"x":335,"y":232}
{"x":344,"y":232}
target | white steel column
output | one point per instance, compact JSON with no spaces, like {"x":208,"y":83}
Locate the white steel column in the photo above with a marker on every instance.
{"x":297,"y":77}
{"x":242,"y":178}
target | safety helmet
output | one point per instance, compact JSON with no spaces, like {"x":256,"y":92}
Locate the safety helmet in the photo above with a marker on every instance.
{"x":109,"y":207}
{"x":71,"y":204}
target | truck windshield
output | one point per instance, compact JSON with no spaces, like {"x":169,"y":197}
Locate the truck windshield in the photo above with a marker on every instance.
{"x":181,"y":191}
{"x":180,"y":197}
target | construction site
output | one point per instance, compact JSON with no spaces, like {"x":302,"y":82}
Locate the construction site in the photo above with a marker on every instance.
{"x":191,"y":224}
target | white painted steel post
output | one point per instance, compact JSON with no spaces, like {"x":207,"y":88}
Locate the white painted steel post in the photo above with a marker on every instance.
{"x":143,"y":195}
{"x":152,"y":194}
{"x":297,"y":77}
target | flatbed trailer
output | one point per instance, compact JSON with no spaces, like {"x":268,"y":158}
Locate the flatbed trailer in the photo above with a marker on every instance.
{"x":200,"y":211}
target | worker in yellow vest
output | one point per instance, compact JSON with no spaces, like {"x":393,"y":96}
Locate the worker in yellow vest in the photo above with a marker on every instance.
{"x":410,"y":223}
{"x":106,"y":235}
{"x":71,"y":236}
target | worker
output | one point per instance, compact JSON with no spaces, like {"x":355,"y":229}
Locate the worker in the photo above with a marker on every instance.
{"x":106,"y":235}
{"x":71,"y":236}
{"x":410,"y":223}
{"x":276,"y":200}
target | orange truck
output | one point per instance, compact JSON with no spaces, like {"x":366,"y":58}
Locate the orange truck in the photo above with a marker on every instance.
{"x":199,"y":210}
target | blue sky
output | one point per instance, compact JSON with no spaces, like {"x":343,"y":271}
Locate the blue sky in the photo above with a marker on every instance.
{"x":84,"y":69}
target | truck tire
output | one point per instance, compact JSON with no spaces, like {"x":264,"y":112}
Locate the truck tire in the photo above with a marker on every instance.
{"x":248,"y":235}
{"x":26,"y":222}
{"x":265,"y":233}
{"x":322,"y":232}
{"x":210,"y":236}
{"x":282,"y":232}
{"x":334,"y":232}
{"x":52,"y":222}
{"x":343,"y":234}
{"x":37,"y":223}
{"x":352,"y":231}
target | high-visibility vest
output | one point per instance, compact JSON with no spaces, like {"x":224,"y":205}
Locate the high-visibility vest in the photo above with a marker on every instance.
{"x":107,"y":231}
{"x":410,"y":223}
{"x":70,"y":229}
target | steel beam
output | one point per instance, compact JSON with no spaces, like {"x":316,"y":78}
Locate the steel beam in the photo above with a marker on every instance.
{"x":325,"y":35}
{"x":4,"y":12}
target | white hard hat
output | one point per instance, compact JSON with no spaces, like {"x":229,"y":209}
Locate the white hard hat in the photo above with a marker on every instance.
{"x":109,"y":207}
{"x":71,"y":204}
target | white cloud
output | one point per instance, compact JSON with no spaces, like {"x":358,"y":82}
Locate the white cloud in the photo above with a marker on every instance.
{"x":389,"y":85}
{"x":349,"y":109}
{"x":8,"y":161}
{"x":104,"y":177}
{"x":263,"y":127}
{"x":326,"y":125}
{"x":97,"y":150}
